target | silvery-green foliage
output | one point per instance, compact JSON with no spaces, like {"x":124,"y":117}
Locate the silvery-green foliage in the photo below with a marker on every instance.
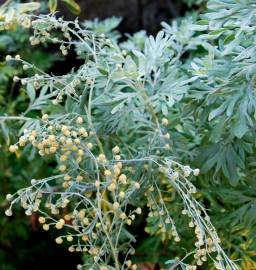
{"x":221,"y":103}
{"x":194,"y":2}
{"x":224,"y":89}
{"x":135,"y":41}
{"x":106,"y":27}
{"x":157,"y":104}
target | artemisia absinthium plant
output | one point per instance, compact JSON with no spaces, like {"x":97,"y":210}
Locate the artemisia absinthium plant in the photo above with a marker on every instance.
{"x":105,"y":124}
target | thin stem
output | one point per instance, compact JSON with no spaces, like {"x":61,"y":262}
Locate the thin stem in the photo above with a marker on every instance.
{"x":21,"y":118}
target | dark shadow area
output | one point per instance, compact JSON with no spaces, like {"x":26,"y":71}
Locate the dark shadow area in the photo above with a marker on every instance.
{"x":37,"y":251}
{"x":136,"y":14}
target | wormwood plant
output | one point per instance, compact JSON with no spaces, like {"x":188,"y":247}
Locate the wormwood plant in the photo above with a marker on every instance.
{"x":107,"y":125}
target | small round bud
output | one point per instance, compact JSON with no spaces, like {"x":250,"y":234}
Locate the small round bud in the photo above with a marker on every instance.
{"x":138,"y":211}
{"x":184,"y":212}
{"x":191,"y":224}
{"x":122,"y":178}
{"x":116,"y":150}
{"x":45,"y":117}
{"x":62,"y":168}
{"x":112,"y":187}
{"x":28,"y":212}
{"x":16,"y":78}
{"x":129,"y":222}
{"x":59,"y":225}
{"x":167,"y":146}
{"x":67,"y":177}
{"x":116,"y":205}
{"x":85,"y":238}
{"x":25,"y":67}
{"x":167,"y":221}
{"x":42,"y":220}
{"x":9,"y":197}
{"x":59,"y":240}
{"x":70,"y":238}
{"x":165,"y":121}
{"x":136,"y":185}
{"x":23,"y":81}
{"x":8,"y":58}
{"x":79,"y":178}
{"x":177,"y":239}
{"x":117,"y":157}
{"x":46,"y":227}
{"x":80,"y":152}
{"x":8,"y":212}
{"x":97,"y":183}
{"x":89,"y":145}
{"x":13,"y":148}
{"x":71,"y":249}
{"x":122,"y":216}
{"x":107,"y":173}
{"x":33,"y":181}
{"x":86,"y":221}
{"x":128,"y":263}
{"x":167,"y":136}
{"x":63,"y":158}
{"x":102,"y":157}
{"x":196,"y":172}
{"x":121,"y":194}
{"x":186,"y":171}
{"x":79,"y":120}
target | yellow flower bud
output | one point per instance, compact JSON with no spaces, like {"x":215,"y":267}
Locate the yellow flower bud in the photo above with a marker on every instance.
{"x":8,"y":58}
{"x":116,"y":150}
{"x":128,"y":263}
{"x":122,"y":178}
{"x":46,"y":227}
{"x":112,"y":187}
{"x":128,"y":221}
{"x":116,"y":205}
{"x":45,"y":117}
{"x":79,"y":120}
{"x":167,"y":136}
{"x":122,"y":216}
{"x":70,"y":238}
{"x":90,"y":146}
{"x":59,"y":240}
{"x":196,"y":172}
{"x":63,"y":158}
{"x":9,"y":197}
{"x":85,"y":238}
{"x":107,"y":173}
{"x":136,"y":185}
{"x":121,"y":194}
{"x":165,"y":121}
{"x":97,"y":183}
{"x":79,"y":178}
{"x":13,"y":148}
{"x":62,"y":168}
{"x":41,"y":220}
{"x":86,"y":221}
{"x":138,"y":211}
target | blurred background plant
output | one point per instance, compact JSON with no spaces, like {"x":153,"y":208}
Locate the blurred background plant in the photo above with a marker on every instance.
{"x":226,"y":152}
